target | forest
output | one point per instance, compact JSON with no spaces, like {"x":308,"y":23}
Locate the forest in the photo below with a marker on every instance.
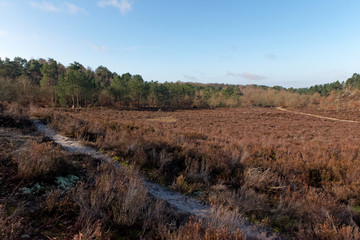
{"x":52,"y":84}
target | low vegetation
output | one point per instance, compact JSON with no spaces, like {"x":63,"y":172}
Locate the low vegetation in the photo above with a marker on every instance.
{"x":294,"y":173}
{"x":46,"y":193}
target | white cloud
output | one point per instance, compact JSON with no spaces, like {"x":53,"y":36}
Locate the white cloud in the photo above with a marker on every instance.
{"x":191,"y":78}
{"x":73,"y":9}
{"x":246,"y":75}
{"x":134,"y":48}
{"x":45,"y":6}
{"x":97,"y":48}
{"x":93,"y":46}
{"x":65,"y":7}
{"x":123,"y":5}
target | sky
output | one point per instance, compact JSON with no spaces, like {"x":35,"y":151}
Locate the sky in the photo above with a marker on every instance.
{"x":291,"y":43}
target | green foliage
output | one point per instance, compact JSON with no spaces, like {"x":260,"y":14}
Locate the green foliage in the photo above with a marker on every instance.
{"x":354,"y":81}
{"x":50,"y":83}
{"x":323,"y":90}
{"x":76,"y":87}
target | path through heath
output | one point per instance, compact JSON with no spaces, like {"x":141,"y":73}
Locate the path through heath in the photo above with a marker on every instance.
{"x":181,"y":202}
{"x":317,"y":116}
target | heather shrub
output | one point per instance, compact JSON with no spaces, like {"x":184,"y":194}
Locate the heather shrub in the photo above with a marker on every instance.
{"x":43,"y":160}
{"x":195,"y":230}
{"x":116,"y":194}
{"x":328,"y":231}
{"x":288,"y":171}
{"x":92,"y":230}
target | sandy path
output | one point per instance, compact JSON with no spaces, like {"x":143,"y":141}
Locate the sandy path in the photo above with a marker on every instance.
{"x":183,"y":203}
{"x":317,"y":116}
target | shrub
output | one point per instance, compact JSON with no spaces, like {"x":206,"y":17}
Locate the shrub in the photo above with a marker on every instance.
{"x":44,"y":160}
{"x":329,"y":231}
{"x":116,"y":194}
{"x":201,"y":231}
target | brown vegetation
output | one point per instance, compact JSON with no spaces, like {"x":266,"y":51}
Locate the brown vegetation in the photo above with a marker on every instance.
{"x":38,"y":199}
{"x":291,"y":172}
{"x":342,"y":105}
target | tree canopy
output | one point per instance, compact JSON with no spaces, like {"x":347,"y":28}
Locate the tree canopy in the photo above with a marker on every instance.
{"x":53,"y":84}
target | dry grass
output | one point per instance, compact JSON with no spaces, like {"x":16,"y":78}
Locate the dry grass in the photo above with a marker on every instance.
{"x":194,"y":230}
{"x":163,"y":119}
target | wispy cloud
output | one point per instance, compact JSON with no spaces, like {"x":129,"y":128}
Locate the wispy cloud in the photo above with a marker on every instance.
{"x":134,"y":48}
{"x":131,"y":48}
{"x":45,"y":6}
{"x":73,"y":9}
{"x":270,"y":56}
{"x":64,"y":7}
{"x":191,"y":78}
{"x":123,"y":5}
{"x":96,"y":48}
{"x":246,"y":75}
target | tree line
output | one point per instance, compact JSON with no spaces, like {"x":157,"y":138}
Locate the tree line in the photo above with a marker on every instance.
{"x":49,"y":82}
{"x":326,"y":89}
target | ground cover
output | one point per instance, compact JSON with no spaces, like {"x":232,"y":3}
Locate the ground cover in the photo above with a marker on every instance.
{"x":297,"y":174}
{"x":47,"y":193}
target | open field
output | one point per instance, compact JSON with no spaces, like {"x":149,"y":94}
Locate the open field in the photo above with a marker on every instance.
{"x":48,"y":193}
{"x":297,"y":174}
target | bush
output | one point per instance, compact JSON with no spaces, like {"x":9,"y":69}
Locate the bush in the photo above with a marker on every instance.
{"x":42,"y":161}
{"x":201,"y":231}
{"x":116,"y":194}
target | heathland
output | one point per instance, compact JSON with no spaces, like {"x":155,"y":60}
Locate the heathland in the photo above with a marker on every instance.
{"x":231,"y":146}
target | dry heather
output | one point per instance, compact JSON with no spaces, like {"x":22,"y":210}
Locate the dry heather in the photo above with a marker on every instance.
{"x":117,"y":195}
{"x":291,"y":172}
{"x":271,"y":98}
{"x":194,"y":230}
{"x":343,"y":104}
{"x":39,"y":200}
{"x":41,"y":161}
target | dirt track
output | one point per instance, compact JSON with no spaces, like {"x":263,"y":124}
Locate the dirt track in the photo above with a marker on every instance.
{"x":183,"y":203}
{"x":317,"y":116}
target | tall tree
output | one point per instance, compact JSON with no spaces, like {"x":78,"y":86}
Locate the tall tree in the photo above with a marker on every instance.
{"x":75,"y":85}
{"x":137,"y":89}
{"x":33,"y":71}
{"x":49,"y":80}
{"x":104,"y":76}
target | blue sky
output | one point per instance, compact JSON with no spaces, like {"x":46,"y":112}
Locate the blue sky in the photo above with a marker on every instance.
{"x":292,"y":43}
